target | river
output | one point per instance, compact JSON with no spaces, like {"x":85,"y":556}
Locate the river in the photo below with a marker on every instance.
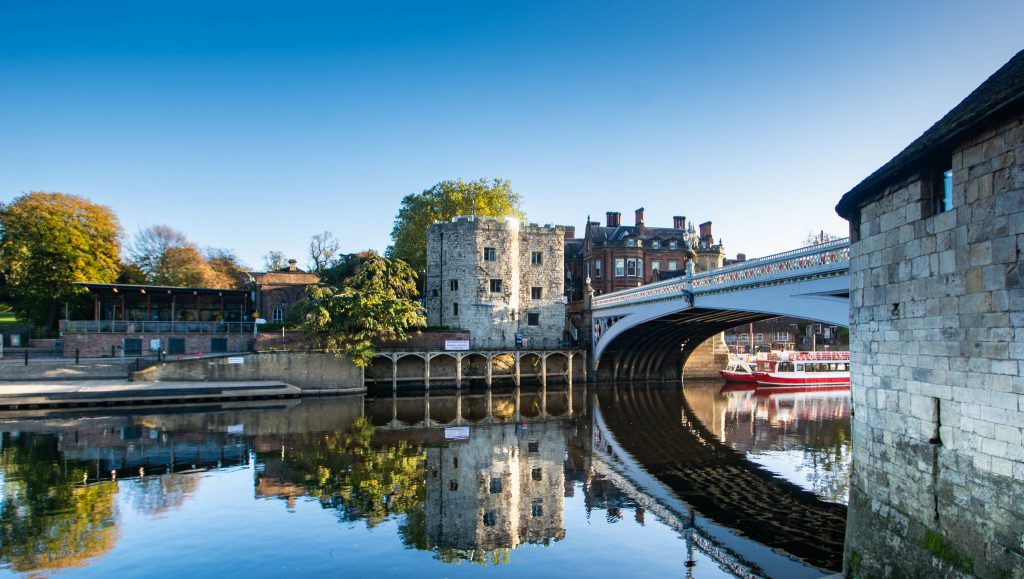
{"x":606,"y":481}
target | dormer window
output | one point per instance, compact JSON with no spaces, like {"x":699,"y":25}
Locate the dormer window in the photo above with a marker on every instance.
{"x":656,"y":244}
{"x":672,"y":245}
{"x":630,"y":242}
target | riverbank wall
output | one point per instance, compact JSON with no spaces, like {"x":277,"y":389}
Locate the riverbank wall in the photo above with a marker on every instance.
{"x":312,"y":372}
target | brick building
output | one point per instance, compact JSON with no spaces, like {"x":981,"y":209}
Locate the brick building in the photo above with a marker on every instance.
{"x":496,"y":278}
{"x":616,"y":256}
{"x":275,"y":292}
{"x":937,"y":346}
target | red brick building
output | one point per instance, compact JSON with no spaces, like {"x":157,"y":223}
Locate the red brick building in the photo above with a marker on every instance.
{"x":616,"y":256}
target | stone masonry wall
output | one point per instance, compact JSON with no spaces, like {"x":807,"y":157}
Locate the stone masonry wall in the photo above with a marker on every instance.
{"x":456,"y":252}
{"x":937,"y":345}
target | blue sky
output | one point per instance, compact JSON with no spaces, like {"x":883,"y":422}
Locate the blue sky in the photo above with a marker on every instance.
{"x":253,"y":125}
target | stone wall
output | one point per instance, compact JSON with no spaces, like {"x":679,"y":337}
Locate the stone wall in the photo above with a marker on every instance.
{"x":306,"y":370}
{"x":937,"y":345}
{"x":707,"y":359}
{"x":458,"y":273}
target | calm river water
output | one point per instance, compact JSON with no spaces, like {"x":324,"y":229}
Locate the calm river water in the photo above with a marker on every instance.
{"x":606,"y":481}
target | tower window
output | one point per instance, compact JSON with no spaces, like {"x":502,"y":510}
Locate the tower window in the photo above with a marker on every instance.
{"x":495,"y":286}
{"x":490,"y":254}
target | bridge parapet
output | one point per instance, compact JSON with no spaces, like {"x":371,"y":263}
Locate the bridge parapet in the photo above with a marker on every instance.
{"x":821,"y":259}
{"x":811,"y":260}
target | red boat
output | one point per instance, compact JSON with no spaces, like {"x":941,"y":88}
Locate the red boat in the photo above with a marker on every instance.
{"x":802,"y":369}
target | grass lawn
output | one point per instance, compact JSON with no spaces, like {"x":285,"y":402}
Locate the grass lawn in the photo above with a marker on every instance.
{"x":7,"y":319}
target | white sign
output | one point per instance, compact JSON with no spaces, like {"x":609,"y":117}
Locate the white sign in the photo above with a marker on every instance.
{"x":456,"y":345}
{"x":260,"y":321}
{"x":456,"y":433}
{"x":154,"y":345}
{"x":236,"y":359}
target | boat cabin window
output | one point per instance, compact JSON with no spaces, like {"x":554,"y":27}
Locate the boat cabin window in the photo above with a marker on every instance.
{"x":785,"y":366}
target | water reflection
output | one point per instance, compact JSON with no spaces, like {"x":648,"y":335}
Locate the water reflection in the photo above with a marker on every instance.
{"x":803,"y":436}
{"x":403,"y":475}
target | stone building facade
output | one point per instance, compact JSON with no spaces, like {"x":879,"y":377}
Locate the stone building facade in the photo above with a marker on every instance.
{"x":496,"y":278}
{"x":937,"y":345}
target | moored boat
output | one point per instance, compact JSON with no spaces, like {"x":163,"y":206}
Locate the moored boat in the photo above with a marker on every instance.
{"x":804,"y":369}
{"x":740,"y":368}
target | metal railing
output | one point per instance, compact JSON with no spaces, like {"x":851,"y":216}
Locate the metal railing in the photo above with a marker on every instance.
{"x":140,"y":327}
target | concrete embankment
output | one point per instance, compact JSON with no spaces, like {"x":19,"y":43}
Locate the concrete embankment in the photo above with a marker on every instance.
{"x":92,"y":393}
{"x":314,"y":373}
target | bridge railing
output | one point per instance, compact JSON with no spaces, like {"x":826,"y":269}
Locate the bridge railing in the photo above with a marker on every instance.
{"x":820,"y":257}
{"x":813,"y":258}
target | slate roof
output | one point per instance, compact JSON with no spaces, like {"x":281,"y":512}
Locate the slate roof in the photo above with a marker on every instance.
{"x":1002,"y":93}
{"x":601,"y":234}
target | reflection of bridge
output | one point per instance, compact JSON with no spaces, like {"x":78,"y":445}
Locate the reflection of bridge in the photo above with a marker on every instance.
{"x":675,"y":450}
{"x":650,"y":331}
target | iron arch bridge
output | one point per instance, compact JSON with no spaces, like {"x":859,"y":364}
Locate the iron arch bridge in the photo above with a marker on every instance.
{"x":650,"y":331}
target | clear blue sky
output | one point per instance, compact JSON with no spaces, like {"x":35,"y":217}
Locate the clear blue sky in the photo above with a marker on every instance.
{"x":253,"y":125}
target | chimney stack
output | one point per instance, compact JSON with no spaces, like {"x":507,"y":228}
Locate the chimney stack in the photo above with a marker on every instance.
{"x":741,"y":257}
{"x":639,"y":217}
{"x":570,"y":231}
{"x":705,"y":231}
{"x":292,"y":265}
{"x":679,"y":222}
{"x":614,"y":218}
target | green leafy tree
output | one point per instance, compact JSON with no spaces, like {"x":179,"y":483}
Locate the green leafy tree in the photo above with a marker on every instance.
{"x":377,"y":304}
{"x":49,"y":241}
{"x":442,"y":202}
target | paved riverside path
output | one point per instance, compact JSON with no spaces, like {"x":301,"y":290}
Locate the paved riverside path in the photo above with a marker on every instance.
{"x":83,"y":393}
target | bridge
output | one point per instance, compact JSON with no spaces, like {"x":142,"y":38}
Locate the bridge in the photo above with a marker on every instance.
{"x":651,"y":330}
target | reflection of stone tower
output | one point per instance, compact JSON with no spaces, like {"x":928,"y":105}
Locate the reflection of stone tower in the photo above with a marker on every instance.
{"x":499,"y":489}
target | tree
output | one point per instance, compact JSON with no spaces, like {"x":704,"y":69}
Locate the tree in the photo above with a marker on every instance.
{"x":165,"y":256}
{"x":48,"y":241}
{"x":274,"y":261}
{"x":442,"y":202}
{"x":376,"y":304}
{"x":226,"y":270}
{"x":822,"y":237}
{"x":322,"y":248}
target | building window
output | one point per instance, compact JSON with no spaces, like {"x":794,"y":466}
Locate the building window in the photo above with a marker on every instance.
{"x":490,"y":519}
{"x":673,"y":265}
{"x":455,"y":462}
{"x":537,"y":508}
{"x":533,"y":447}
{"x":536,"y":293}
{"x":630,"y":242}
{"x":455,"y":308}
{"x":782,"y":336}
{"x":942,"y":190}
{"x":758,"y":338}
{"x":453,"y":285}
{"x":597,"y":268}
{"x":655,"y":244}
{"x":495,"y":485}
{"x":532,"y":319}
{"x":495,"y":286}
{"x":536,"y":258}
{"x":490,"y":254}
{"x":278,"y":316}
{"x":535,"y":474}
{"x":634,"y":268}
{"x":656,"y":265}
{"x":453,"y":485}
{"x":672,"y":245}
{"x":620,"y":267}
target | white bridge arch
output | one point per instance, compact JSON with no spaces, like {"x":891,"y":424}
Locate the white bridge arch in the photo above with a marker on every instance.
{"x":652,"y":329}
